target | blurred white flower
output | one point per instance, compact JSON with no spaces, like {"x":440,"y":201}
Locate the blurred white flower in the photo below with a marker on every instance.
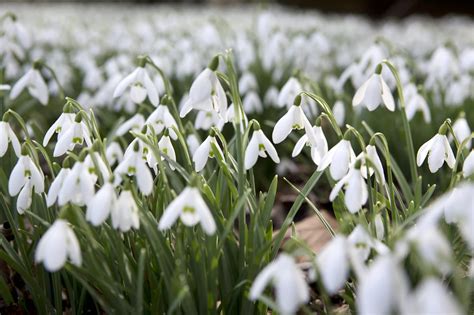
{"x":57,"y":245}
{"x":415,"y":102}
{"x":133,"y":164}
{"x":34,"y":82}
{"x":7,"y":135}
{"x":339,"y":111}
{"x":141,"y":87}
{"x":135,"y":123}
{"x":160,"y":119}
{"x":100,"y":206}
{"x":206,"y":120}
{"x":438,"y":151}
{"x":78,"y":186}
{"x":114,"y":153}
{"x":375,"y":164}
{"x":468,"y":166}
{"x":166,"y":147}
{"x":191,"y":209}
{"x":288,"y":92}
{"x":291,"y":289}
{"x":461,"y":130}
{"x":259,"y":145}
{"x":125,"y":214}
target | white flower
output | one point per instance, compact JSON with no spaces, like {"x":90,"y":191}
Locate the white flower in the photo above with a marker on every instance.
{"x":76,"y":134}
{"x":133,"y":164}
{"x":271,"y":96}
{"x":34,"y":82}
{"x":375,"y":165}
{"x":373,"y":93}
{"x":205,"y":151}
{"x":6,"y":136}
{"x":415,"y":102}
{"x":135,"y":123}
{"x":288,"y":92}
{"x":191,"y":209}
{"x":333,"y":264}
{"x":438,"y":150}
{"x":57,"y":245}
{"x":252,"y":103}
{"x":247,"y":83}
{"x":383,"y":288}
{"x":318,"y":150}
{"x":290,"y":286}
{"x":78,"y":186}
{"x":356,"y":190}
{"x":431,"y":297}
{"x":468,"y":166}
{"x":193,"y":143}
{"x":379,"y":227}
{"x":160,"y":119}
{"x":100,"y":206}
{"x":206,"y":120}
{"x":114,"y":153}
{"x":293,"y":119}
{"x":338,"y":158}
{"x":166,"y":147}
{"x":339,"y":112}
{"x":56,"y":186}
{"x":92,"y":167}
{"x":64,"y":121}
{"x":125,"y":214}
{"x":141,"y":87}
{"x":24,"y":177}
{"x":461,"y":130}
{"x":259,"y":145}
{"x":206,"y":94}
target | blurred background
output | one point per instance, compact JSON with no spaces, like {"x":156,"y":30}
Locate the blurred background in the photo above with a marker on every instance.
{"x":377,"y":9}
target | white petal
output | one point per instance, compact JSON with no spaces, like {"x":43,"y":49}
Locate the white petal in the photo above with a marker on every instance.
{"x":436,"y":155}
{"x":129,"y":79}
{"x":21,"y":84}
{"x":17,"y":177}
{"x":387,"y":96}
{"x":299,"y":145}
{"x":423,"y":150}
{"x":333,"y":264}
{"x":151,"y":89}
{"x":202,"y":154}
{"x":144,"y":178}
{"x":98,"y":209}
{"x":206,"y":218}
{"x":360,"y":94}
{"x":251,"y":153}
{"x":262,"y":280}
{"x":283,"y":126}
{"x":24,"y":199}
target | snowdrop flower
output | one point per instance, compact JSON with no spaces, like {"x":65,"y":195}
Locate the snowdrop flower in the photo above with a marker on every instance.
{"x":206,"y":94}
{"x":252,"y":103}
{"x":468,"y":166}
{"x":375,"y":165}
{"x":259,"y":145}
{"x":438,"y":151}
{"x":383,"y":288}
{"x":290,"y":286}
{"x":125,"y":214}
{"x":64,"y":121}
{"x":141,"y":87}
{"x":319,"y":149}
{"x":205,"y":151}
{"x":432,"y":246}
{"x":94,"y":169}
{"x":25,"y":177}
{"x":133,"y":164}
{"x":288,"y":92}
{"x":135,"y":123}
{"x":271,"y":96}
{"x":379,"y":227}
{"x":76,"y":134}
{"x":114,"y":153}
{"x":338,"y":158}
{"x":247,"y":83}
{"x":333,"y":264}
{"x":193,"y":143}
{"x":461,"y":130}
{"x":100,"y":206}
{"x":356,"y":189}
{"x":293,"y":119}
{"x":160,"y":119}
{"x":206,"y":120}
{"x":78,"y":186}
{"x":56,"y":186}
{"x":57,"y":245}
{"x":6,"y":136}
{"x":415,"y":102}
{"x":34,"y":82}
{"x":191,"y":209}
{"x":431,"y":297}
{"x":166,"y":147}
{"x":374,"y":92}
{"x":339,"y":112}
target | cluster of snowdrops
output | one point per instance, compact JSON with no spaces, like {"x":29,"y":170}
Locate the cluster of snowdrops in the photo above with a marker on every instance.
{"x":161,"y":211}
